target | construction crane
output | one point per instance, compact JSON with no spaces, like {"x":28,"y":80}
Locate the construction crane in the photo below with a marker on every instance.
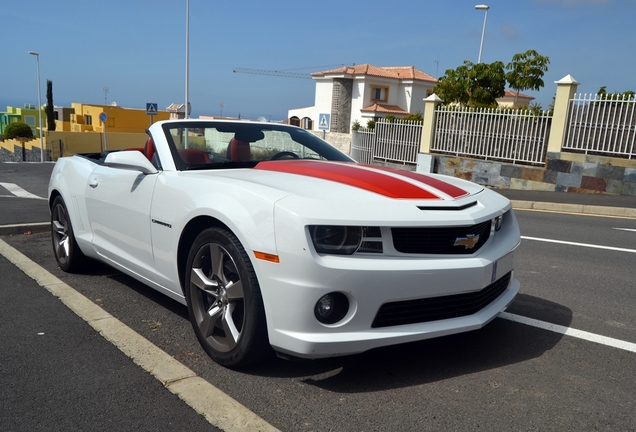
{"x":282,"y":74}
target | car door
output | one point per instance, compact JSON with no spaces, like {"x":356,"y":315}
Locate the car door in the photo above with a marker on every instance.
{"x":118,"y":204}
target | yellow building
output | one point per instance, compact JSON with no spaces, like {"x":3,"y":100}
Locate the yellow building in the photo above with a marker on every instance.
{"x":119,"y":119}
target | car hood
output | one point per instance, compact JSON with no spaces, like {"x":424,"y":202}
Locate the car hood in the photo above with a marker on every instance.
{"x":345,"y":190}
{"x":348,"y":181}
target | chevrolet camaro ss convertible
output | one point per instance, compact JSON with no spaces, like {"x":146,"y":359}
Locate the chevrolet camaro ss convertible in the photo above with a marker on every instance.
{"x":278,"y":242}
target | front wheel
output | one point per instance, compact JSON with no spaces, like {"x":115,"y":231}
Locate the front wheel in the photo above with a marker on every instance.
{"x":224,"y":300}
{"x":67,"y":253}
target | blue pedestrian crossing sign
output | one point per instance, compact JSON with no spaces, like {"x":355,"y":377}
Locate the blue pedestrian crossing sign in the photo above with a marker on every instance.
{"x":151,"y":109}
{"x":323,"y":121}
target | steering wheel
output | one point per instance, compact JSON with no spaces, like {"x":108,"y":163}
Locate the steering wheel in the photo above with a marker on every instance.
{"x":283,"y":154}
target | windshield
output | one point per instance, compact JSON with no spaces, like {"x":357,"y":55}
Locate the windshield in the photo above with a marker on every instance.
{"x":242,"y":144}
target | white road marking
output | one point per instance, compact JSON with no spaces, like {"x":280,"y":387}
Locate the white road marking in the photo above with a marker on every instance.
{"x":579,"y":244}
{"x":625,"y":229}
{"x":603,"y":340}
{"x":217,"y":407}
{"x":18,"y":191}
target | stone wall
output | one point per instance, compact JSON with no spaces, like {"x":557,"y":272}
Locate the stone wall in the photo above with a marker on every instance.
{"x":341,"y":105}
{"x":58,"y":144}
{"x":563,"y":172}
{"x":341,"y":141}
{"x":14,"y":150}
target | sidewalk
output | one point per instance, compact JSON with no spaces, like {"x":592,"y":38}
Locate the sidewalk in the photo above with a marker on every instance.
{"x":591,"y":204}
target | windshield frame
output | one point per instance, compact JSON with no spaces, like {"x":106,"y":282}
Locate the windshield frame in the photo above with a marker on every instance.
{"x":250,"y":132}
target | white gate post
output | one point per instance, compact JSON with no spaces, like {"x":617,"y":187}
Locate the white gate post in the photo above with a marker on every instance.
{"x":424,"y":158}
{"x":566,"y":88}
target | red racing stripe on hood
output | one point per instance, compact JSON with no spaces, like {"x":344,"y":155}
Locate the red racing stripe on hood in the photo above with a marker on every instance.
{"x":440,"y":185}
{"x":352,"y":175}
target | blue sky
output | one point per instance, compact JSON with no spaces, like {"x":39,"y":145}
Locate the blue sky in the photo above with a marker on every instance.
{"x":136,"y":48}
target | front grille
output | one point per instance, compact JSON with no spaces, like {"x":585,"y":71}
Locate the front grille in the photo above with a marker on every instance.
{"x":439,"y":308}
{"x":439,"y":240}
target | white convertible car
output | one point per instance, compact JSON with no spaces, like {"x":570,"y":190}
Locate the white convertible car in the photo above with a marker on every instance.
{"x":278,"y":242}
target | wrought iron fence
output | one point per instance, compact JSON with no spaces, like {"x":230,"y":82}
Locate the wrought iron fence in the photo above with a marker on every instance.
{"x":390,"y":141}
{"x":517,"y":136}
{"x":362,"y":145}
{"x":602,"y":124}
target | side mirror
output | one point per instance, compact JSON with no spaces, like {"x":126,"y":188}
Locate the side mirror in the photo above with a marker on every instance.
{"x":130,"y":160}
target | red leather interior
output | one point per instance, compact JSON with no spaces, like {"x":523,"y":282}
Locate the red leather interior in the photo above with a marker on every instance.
{"x":239,"y":150}
{"x":194,"y":156}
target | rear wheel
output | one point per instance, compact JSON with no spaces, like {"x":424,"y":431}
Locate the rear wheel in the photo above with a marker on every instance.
{"x":67,"y":253}
{"x":224,"y":300}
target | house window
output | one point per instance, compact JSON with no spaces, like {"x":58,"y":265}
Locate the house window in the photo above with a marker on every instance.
{"x":88,"y":120}
{"x":30,"y":120}
{"x":379,"y":94}
{"x":307,"y":123}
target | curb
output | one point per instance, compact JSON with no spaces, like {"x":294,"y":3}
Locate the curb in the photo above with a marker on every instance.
{"x":218,"y":408}
{"x":590,"y":210}
{"x":24,"y":228}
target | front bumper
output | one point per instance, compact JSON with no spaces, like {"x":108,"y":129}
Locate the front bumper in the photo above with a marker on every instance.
{"x":292,"y":288}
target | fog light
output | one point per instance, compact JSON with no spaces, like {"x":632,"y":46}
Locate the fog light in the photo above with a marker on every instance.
{"x":498,"y":222}
{"x":331,"y":308}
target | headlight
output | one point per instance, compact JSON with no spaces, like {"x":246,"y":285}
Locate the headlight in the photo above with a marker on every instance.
{"x":335,"y":239}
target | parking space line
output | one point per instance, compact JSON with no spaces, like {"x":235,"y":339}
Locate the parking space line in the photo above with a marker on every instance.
{"x":579,"y":244}
{"x":19,"y":192}
{"x":218,"y":408}
{"x":580,"y":334}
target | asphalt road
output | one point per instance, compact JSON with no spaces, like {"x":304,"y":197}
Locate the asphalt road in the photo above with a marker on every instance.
{"x":507,"y":376}
{"x":57,"y":373}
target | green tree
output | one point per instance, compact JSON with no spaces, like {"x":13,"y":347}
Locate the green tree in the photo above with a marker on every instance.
{"x":454,"y":86}
{"x":535,"y":108}
{"x":474,"y":85}
{"x":525,"y":71}
{"x":18,"y":130}
{"x":604,"y":95}
{"x":50,"y":112}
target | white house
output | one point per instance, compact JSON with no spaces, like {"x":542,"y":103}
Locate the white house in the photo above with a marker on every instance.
{"x":361,"y":93}
{"x":508,"y":100}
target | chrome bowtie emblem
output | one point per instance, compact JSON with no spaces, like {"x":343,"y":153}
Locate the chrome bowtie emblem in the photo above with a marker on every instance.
{"x":468,"y":242}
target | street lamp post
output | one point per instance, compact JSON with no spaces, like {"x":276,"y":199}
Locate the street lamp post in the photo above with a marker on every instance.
{"x":187,"y":65}
{"x":483,"y":31}
{"x":37,"y":56}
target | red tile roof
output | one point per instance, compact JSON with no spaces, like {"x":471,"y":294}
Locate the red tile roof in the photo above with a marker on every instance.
{"x":384,"y":109}
{"x":395,"y":72}
{"x":511,"y":93}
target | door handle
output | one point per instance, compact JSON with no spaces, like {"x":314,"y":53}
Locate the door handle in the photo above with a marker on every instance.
{"x":93,"y":183}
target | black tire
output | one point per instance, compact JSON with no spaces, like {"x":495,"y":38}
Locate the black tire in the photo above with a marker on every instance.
{"x":224,"y":300}
{"x":67,"y":253}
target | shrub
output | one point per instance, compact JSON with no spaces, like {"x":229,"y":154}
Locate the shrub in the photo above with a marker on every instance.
{"x":18,"y":130}
{"x":355,"y":126}
{"x":414,"y":117}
